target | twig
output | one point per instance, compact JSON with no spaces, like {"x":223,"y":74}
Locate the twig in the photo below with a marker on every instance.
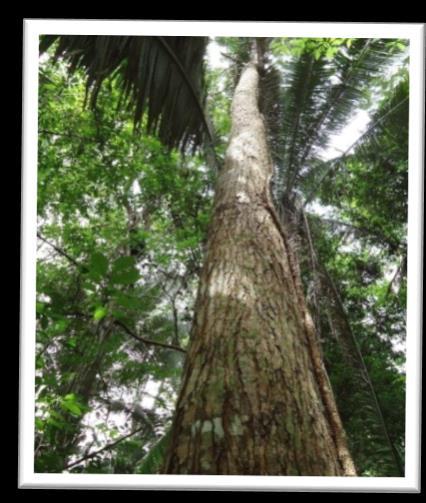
{"x":228,"y":56}
{"x":175,"y":321}
{"x":59,"y":250}
{"x":147,"y":341}
{"x":133,"y":335}
{"x":106,"y":447}
{"x":398,"y":274}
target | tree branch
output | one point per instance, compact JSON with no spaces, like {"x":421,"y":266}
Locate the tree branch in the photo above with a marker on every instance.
{"x":133,"y":335}
{"x":147,"y":341}
{"x":398,"y":274}
{"x":59,"y":250}
{"x":106,"y":447}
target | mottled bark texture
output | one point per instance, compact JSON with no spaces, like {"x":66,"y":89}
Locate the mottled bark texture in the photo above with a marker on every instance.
{"x":255,"y":398}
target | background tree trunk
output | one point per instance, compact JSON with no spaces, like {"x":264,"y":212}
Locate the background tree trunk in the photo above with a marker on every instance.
{"x":255,"y":398}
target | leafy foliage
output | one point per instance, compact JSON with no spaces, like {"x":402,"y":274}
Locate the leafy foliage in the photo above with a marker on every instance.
{"x":111,"y":230}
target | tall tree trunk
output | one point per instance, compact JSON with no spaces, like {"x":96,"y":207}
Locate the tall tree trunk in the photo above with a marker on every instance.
{"x":255,"y":398}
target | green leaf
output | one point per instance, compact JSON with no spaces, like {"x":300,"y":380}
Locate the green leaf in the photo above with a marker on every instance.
{"x":331,"y":51}
{"x":124,"y":271}
{"x":70,"y":404}
{"x":98,"y":266}
{"x":128,"y":301}
{"x":123,"y":263}
{"x":39,"y":423}
{"x":59,"y":326}
{"x":72,"y":342}
{"x":40,"y":307}
{"x":317,"y":53}
{"x":100,"y":312}
{"x":54,"y":422}
{"x":73,"y":408}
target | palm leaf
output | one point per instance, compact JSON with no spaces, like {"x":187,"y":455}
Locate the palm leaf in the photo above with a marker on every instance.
{"x":160,"y":76}
{"x":390,"y":119}
{"x":353,"y":72}
{"x":318,"y":99}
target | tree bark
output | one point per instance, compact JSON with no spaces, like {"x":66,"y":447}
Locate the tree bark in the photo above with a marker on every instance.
{"x":255,"y":398}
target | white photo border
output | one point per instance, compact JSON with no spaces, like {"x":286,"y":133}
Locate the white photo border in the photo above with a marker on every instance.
{"x":33,"y":28}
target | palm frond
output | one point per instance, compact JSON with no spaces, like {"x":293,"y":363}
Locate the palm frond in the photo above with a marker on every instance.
{"x":302,"y":91}
{"x":319,"y":98}
{"x":388,"y":120}
{"x":269,"y":99}
{"x":352,"y":73}
{"x":162,"y":76}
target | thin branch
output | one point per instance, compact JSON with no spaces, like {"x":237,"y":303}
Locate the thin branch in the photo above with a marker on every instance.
{"x":314,"y":267}
{"x":175,"y":321}
{"x":398,"y":274}
{"x":132,"y":334}
{"x":147,"y":341}
{"x":59,"y":250}
{"x":231,"y":58}
{"x":106,"y":447}
{"x":135,"y":410}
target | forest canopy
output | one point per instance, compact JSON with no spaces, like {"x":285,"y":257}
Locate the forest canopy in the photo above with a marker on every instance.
{"x":132,"y":144}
